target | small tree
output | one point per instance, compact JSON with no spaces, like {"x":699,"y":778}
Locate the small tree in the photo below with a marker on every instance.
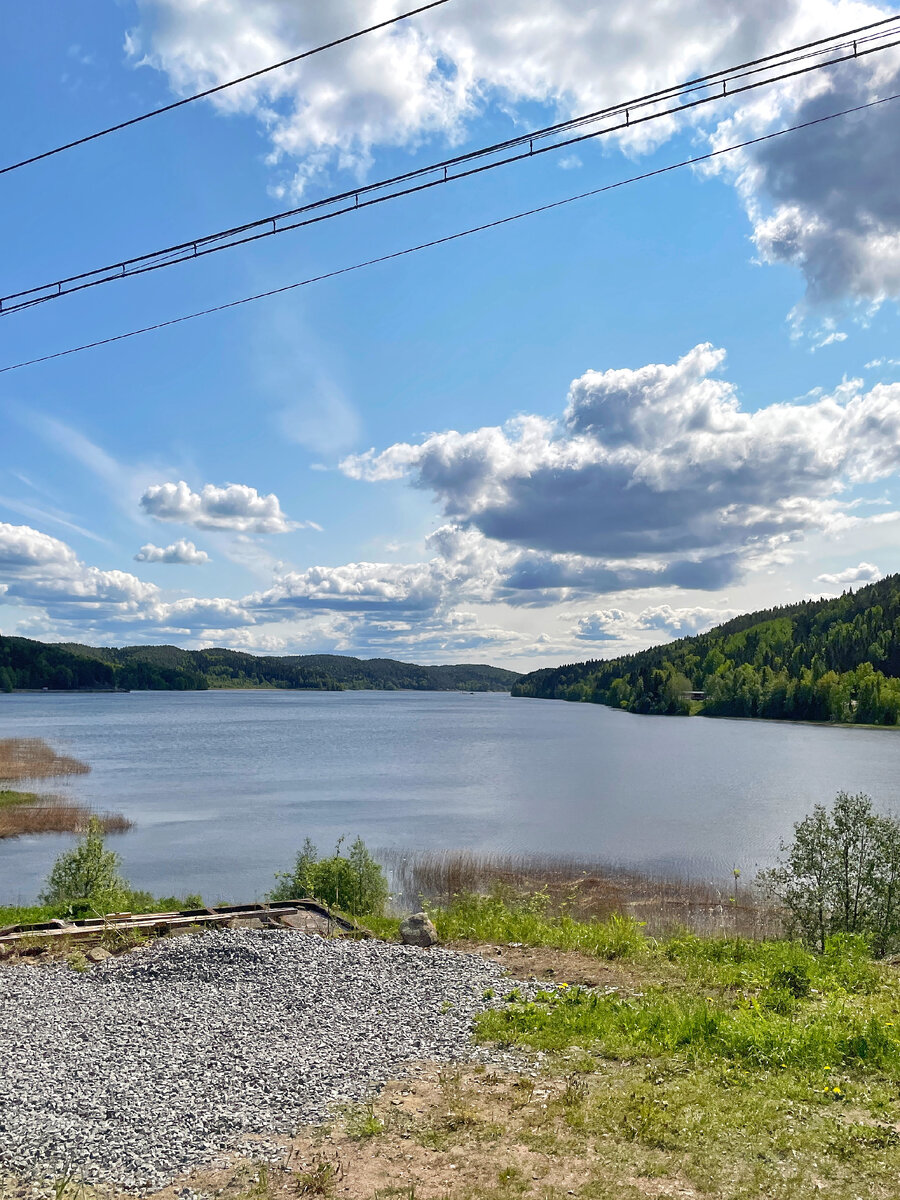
{"x":841,"y":874}
{"x":355,"y":883}
{"x":87,"y":875}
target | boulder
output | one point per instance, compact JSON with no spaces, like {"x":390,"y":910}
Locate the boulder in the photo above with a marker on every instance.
{"x":97,"y":954}
{"x":417,"y":930}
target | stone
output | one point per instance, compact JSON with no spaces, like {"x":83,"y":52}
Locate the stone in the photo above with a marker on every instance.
{"x":418,"y":930}
{"x":97,"y":954}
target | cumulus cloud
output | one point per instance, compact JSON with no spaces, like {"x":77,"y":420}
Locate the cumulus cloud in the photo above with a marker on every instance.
{"x":863,"y":573}
{"x":181,"y":551}
{"x":430,"y":78}
{"x":38,"y":570}
{"x":653,"y":475}
{"x":236,"y":507}
{"x":619,"y":625}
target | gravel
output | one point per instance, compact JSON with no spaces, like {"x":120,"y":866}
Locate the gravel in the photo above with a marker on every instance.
{"x":164,"y":1058}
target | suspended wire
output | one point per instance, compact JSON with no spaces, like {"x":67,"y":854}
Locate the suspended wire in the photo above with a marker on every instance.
{"x":452,"y":237}
{"x":221,"y":87}
{"x":844,"y":47}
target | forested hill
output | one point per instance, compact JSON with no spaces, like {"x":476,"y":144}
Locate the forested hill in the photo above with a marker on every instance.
{"x":820,"y":660}
{"x":66,"y":667}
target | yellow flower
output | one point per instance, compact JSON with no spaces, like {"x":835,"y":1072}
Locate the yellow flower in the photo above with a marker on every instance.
{"x":563,"y":985}
{"x":826,"y":1068}
{"x":837,"y":1091}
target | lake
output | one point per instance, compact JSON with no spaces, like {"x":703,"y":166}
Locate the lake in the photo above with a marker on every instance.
{"x":223,"y":786}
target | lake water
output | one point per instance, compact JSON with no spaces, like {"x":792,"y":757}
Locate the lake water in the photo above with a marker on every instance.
{"x":224,"y":786}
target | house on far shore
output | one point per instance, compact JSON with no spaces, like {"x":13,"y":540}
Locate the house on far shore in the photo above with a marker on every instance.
{"x":692,"y":695}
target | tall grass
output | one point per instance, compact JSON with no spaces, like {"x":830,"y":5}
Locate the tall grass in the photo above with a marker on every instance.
{"x":583,"y":889}
{"x":54,"y":815}
{"x":33,"y":758}
{"x":760,"y":1005}
{"x":24,"y":813}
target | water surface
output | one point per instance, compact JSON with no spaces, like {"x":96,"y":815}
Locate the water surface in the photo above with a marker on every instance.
{"x":223,"y":786}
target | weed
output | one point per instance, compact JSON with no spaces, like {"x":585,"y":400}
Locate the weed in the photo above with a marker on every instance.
{"x":362,"y":1121}
{"x":320,"y":1179}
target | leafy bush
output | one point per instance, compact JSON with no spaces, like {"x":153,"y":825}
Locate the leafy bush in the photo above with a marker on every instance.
{"x":841,"y":875}
{"x":355,"y":883}
{"x":87,"y":877}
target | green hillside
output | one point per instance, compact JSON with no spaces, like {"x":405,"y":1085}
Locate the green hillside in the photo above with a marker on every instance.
{"x":65,"y":667}
{"x":820,"y":660}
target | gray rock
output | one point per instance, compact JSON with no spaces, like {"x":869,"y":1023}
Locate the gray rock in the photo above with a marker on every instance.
{"x":97,"y":954}
{"x":418,"y":930}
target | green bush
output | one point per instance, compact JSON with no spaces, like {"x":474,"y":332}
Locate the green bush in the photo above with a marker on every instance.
{"x":355,"y":883}
{"x":841,"y":875}
{"x":87,"y":877}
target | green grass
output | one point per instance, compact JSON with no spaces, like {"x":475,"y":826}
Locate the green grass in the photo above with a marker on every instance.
{"x":528,"y":920}
{"x":25,"y":914}
{"x":9,"y":798}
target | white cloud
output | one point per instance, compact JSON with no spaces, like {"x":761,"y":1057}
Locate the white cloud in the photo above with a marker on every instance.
{"x":662,"y":622}
{"x":181,"y":551}
{"x":429,"y":79}
{"x":863,"y":573}
{"x":235,"y":507}
{"x":653,"y":474}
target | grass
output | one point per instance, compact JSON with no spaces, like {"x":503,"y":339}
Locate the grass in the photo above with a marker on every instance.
{"x":584,"y":889}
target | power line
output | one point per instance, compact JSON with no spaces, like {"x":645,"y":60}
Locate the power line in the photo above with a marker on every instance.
{"x":452,"y":237}
{"x":722,"y":84}
{"x":221,"y":87}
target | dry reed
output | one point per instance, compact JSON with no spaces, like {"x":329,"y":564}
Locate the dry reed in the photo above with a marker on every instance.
{"x":33,"y":758}
{"x":584,"y":889}
{"x":53,"y":815}
{"x":23,"y":813}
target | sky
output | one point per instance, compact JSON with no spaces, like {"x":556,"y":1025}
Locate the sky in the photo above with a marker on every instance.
{"x":590,"y":430}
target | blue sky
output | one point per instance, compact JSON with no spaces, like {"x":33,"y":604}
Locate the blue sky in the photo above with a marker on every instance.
{"x":392,"y":462}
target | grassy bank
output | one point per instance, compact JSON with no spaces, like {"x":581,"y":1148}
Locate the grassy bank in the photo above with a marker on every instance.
{"x":583,"y":889}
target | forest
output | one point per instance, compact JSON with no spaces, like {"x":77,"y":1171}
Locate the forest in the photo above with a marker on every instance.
{"x":31,"y":665}
{"x":832,"y":659}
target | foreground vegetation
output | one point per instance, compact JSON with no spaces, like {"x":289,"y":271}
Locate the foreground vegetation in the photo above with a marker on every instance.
{"x":820,"y":660}
{"x":28,"y":664}
{"x":723,"y":1066}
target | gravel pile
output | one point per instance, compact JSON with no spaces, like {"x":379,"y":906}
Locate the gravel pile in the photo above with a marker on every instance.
{"x":159,"y":1060}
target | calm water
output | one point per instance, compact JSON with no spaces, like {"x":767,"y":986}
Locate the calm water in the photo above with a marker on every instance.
{"x":224,"y":786}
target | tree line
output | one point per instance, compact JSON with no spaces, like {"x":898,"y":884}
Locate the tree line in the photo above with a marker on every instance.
{"x":31,"y":665}
{"x":819,"y":660}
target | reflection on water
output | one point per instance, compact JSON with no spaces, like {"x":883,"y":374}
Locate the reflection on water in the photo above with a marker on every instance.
{"x":224,"y":786}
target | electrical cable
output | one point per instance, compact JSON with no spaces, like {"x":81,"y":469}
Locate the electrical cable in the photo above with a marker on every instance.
{"x":221,"y":87}
{"x":452,"y":237}
{"x":843,"y":47}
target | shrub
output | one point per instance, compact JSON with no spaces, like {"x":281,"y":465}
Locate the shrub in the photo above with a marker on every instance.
{"x":355,"y":883}
{"x":841,"y":875}
{"x":87,"y":876}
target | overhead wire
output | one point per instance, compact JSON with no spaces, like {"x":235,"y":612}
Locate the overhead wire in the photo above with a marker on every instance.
{"x":452,"y":237}
{"x":220,"y":87}
{"x":843,"y":47}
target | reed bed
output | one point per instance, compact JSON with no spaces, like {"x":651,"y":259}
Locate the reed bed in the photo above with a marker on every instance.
{"x":23,"y":813}
{"x":33,"y":758}
{"x":51,"y":814}
{"x":584,"y":889}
